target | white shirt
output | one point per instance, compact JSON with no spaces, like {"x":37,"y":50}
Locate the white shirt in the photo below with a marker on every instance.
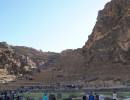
{"x":101,"y":97}
{"x":114,"y":96}
{"x":87,"y":96}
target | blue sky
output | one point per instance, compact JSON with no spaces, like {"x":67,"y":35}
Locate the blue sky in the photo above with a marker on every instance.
{"x":49,"y":25}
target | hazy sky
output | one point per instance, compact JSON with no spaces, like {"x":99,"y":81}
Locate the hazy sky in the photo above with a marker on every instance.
{"x":49,"y":25}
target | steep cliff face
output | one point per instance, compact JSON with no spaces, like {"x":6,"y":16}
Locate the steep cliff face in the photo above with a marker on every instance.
{"x":110,"y":39}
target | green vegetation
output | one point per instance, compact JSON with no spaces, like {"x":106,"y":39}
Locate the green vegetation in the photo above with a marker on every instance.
{"x":74,"y":95}
{"x":34,"y":95}
{"x":40,"y":95}
{"x":105,"y":93}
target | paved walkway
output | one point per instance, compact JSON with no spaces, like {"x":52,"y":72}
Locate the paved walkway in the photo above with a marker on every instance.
{"x":78,"y":98}
{"x":127,"y":99}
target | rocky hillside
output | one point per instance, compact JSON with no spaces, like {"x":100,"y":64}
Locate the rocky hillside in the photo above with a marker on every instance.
{"x":105,"y":56}
{"x":16,"y":61}
{"x":65,"y":68}
{"x":108,"y":47}
{"x":69,"y":68}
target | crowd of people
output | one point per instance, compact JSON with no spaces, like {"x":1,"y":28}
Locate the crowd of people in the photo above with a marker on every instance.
{"x":96,"y":96}
{"x":10,"y":95}
{"x":93,"y":97}
{"x":45,"y":97}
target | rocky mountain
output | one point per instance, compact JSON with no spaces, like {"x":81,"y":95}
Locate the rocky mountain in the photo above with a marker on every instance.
{"x":69,"y":68}
{"x":16,"y":61}
{"x":104,"y":57}
{"x":106,"y":54}
{"x":108,"y":47}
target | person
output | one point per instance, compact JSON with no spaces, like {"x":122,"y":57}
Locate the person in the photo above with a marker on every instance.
{"x":52,"y":97}
{"x":91,"y":97}
{"x":11,"y":95}
{"x":1,"y":98}
{"x":59,"y":96}
{"x":18,"y":98}
{"x":96,"y":96}
{"x":28,"y":98}
{"x":6,"y":97}
{"x":84,"y":97}
{"x":45,"y":97}
{"x":114,"y":96}
{"x":87,"y":96}
{"x":101,"y":97}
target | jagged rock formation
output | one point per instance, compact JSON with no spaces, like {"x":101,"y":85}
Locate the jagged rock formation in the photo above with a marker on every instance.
{"x":69,"y":67}
{"x":37,"y":59}
{"x":18,"y":61}
{"x":110,"y":39}
{"x":108,"y":47}
{"x":65,"y":68}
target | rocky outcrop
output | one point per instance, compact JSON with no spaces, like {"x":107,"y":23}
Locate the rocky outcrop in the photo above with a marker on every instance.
{"x":68,"y":67}
{"x":19,"y":60}
{"x":107,"y":51}
{"x":110,"y":39}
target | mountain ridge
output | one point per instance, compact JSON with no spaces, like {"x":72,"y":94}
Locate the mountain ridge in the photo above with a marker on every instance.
{"x":104,"y":57}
